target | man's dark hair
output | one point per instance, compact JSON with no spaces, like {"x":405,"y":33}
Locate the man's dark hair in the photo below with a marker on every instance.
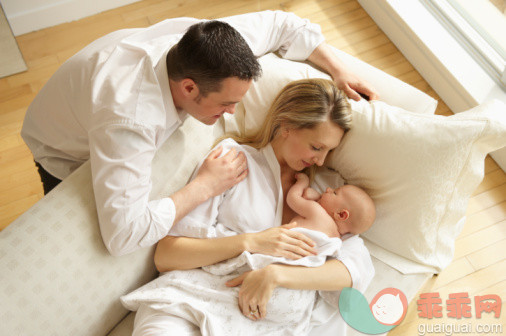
{"x":209,"y":52}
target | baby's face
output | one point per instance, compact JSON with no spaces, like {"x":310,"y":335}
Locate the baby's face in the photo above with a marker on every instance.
{"x":334,"y":200}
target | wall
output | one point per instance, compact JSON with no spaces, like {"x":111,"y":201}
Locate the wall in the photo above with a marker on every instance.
{"x":26,"y":16}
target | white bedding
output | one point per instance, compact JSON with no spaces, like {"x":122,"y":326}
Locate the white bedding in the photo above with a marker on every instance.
{"x":200,"y":295}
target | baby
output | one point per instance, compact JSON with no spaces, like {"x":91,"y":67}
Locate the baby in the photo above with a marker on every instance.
{"x":347,"y":209}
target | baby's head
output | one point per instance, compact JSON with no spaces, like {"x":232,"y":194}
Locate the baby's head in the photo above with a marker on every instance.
{"x":351,"y":208}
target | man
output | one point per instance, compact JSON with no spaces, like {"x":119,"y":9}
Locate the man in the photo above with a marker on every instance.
{"x":118,"y":100}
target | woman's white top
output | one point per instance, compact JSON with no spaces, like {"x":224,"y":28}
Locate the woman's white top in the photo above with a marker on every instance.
{"x":256,"y":204}
{"x":111,"y":102}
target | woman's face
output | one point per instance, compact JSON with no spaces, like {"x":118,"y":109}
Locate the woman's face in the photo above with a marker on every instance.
{"x":302,"y":148}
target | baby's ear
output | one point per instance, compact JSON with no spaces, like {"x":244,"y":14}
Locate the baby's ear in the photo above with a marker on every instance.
{"x":342,"y":215}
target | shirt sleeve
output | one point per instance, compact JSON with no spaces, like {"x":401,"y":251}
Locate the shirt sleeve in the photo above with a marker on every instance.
{"x":121,"y":154}
{"x":269,"y":31}
{"x":126,"y":114}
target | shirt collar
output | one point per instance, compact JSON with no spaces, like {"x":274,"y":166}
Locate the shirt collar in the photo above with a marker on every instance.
{"x":173,"y":115}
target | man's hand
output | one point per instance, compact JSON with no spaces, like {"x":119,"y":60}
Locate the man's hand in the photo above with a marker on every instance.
{"x":218,"y":174}
{"x":351,"y":84}
{"x":354,"y":87}
{"x":214,"y":177}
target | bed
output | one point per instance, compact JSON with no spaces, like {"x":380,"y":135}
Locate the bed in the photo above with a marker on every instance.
{"x":58,"y":278}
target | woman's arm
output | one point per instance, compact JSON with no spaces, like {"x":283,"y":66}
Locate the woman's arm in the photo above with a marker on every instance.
{"x":331,"y":276}
{"x":257,"y":286}
{"x":353,"y":269}
{"x":177,"y":253}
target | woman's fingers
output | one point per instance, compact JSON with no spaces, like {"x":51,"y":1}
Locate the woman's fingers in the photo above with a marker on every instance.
{"x":290,"y":255}
{"x":297,"y":249}
{"x":262,"y":310}
{"x":282,"y":242}
{"x":298,"y":244}
{"x":290,"y":225}
{"x":301,"y":237}
{"x":246,"y":306}
{"x":236,"y":281}
{"x":254,"y":313}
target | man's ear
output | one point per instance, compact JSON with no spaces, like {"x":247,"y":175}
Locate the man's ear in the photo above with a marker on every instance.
{"x":189,"y":88}
{"x":342,"y":215}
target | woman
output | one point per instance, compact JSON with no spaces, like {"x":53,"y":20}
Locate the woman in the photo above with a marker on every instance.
{"x":307,"y":120}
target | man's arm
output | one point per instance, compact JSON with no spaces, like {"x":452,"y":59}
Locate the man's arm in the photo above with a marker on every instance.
{"x":121,"y":158}
{"x":268,"y":31}
{"x":297,"y":39}
{"x":352,"y":85}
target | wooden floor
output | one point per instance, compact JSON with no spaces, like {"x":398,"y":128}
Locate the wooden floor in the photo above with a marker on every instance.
{"x":479,"y":266}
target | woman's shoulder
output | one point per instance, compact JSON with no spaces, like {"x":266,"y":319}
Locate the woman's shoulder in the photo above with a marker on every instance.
{"x":229,"y":143}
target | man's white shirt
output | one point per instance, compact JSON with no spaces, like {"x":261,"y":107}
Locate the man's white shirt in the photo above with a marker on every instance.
{"x":111,"y":103}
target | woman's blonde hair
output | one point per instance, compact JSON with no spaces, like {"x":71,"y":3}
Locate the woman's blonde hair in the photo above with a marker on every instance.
{"x":302,"y":104}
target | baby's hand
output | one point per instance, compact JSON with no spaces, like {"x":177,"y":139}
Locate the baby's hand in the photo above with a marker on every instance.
{"x":302,"y":177}
{"x":311,"y":195}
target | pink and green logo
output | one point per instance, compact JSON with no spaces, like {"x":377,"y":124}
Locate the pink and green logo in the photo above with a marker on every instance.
{"x":386,"y":310}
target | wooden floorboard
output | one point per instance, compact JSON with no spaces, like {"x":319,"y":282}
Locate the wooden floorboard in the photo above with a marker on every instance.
{"x":479,"y":266}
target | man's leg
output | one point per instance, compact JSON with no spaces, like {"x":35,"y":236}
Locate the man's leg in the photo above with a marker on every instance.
{"x":48,"y":180}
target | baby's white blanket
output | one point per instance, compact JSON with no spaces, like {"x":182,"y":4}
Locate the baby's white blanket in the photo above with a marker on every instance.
{"x":201,"y":297}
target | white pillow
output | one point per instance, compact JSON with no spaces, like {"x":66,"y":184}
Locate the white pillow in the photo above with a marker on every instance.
{"x":278,"y":72}
{"x":420,"y":171}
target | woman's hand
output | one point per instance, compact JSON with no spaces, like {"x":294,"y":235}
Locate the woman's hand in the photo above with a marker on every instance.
{"x":218,"y":174}
{"x":255,"y":292}
{"x":280,"y":242}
